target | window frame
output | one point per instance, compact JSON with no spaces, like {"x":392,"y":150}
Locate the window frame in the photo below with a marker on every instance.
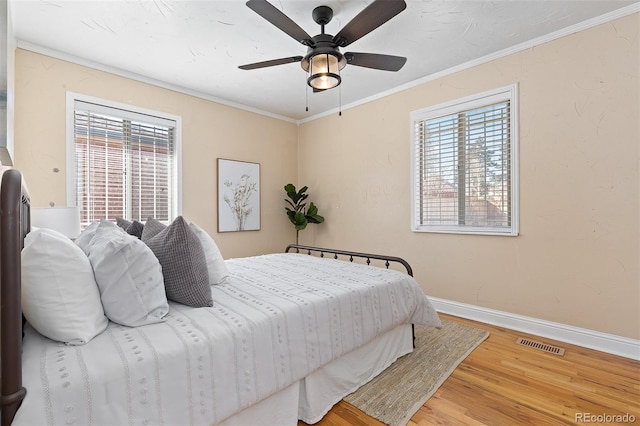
{"x":502,"y":94}
{"x":128,"y":112}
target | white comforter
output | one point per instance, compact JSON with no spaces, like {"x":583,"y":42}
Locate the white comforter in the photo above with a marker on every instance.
{"x":279,"y":318}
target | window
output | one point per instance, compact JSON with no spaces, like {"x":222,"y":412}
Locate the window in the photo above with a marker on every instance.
{"x":465,"y":165}
{"x":121,"y":162}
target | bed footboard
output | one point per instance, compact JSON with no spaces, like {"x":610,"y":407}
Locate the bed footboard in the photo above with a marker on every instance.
{"x":351,"y":254}
{"x":310,"y":250}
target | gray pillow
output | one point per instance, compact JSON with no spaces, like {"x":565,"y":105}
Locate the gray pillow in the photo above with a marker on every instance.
{"x":151,"y":228}
{"x":123,"y":223}
{"x":135,"y":229}
{"x":184,"y":266}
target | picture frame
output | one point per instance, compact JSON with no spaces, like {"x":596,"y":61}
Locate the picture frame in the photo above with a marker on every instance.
{"x":238,"y":196}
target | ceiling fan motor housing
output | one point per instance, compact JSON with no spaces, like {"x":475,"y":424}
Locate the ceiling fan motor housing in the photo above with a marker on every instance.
{"x":323,"y":43}
{"x":322,"y":15}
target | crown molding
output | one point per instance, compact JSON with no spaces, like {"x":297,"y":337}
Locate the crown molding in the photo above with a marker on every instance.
{"x":584,"y":25}
{"x":143,"y":79}
{"x":607,"y":17}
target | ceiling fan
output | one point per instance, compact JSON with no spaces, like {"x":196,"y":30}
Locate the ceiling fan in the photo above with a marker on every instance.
{"x":324,"y":60}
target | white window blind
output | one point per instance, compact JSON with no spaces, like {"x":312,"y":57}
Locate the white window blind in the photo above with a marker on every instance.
{"x":464,"y":166}
{"x":124,"y":164}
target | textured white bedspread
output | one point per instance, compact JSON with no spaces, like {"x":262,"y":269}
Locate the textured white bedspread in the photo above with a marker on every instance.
{"x":279,"y":317}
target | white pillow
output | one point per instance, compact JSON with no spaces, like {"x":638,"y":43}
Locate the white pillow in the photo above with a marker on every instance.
{"x":218,"y":271}
{"x":60,"y":298}
{"x":129,"y":277}
{"x":84,"y":239}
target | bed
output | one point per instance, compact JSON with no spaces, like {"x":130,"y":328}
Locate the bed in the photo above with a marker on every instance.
{"x":289,"y":335}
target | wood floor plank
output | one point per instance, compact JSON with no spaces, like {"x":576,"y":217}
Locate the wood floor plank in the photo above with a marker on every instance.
{"x":504,"y":383}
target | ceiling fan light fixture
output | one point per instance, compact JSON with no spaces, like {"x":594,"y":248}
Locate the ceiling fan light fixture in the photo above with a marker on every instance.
{"x":324,"y":71}
{"x":323,"y":60}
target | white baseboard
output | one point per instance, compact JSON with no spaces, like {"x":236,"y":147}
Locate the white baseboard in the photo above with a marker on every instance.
{"x":604,"y":342}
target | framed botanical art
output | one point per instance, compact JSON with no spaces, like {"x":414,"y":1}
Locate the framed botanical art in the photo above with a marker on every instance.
{"x":238,"y":196}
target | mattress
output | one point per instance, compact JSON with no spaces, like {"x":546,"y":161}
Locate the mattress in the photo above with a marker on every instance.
{"x":278,"y":319}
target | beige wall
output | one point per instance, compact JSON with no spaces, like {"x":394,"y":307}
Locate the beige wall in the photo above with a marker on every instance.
{"x":577,"y":257}
{"x":209,"y":130}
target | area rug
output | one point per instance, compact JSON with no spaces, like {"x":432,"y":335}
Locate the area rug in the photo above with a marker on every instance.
{"x":398,"y":392}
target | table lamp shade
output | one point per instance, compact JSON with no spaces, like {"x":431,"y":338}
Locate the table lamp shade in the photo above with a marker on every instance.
{"x":65,"y":220}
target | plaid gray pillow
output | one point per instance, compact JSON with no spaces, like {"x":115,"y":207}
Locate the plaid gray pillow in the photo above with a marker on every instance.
{"x":184,"y":266}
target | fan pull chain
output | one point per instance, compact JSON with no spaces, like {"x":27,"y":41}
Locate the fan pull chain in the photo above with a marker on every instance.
{"x":306,"y":94}
{"x":340,"y":101}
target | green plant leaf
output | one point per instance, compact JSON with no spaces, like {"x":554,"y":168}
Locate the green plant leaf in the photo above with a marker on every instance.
{"x":290,"y":203}
{"x":300,"y":221}
{"x":296,"y":212}
{"x":315,"y":219}
{"x":296,"y":197}
{"x":292,"y":193}
{"x":312,"y":214}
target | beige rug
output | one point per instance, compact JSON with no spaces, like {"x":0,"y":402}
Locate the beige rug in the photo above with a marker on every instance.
{"x":399,"y":391}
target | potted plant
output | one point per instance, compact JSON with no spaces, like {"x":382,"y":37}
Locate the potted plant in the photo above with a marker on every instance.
{"x":296,"y":209}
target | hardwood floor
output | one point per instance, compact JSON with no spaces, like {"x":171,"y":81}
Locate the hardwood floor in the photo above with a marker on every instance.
{"x":502,"y":383}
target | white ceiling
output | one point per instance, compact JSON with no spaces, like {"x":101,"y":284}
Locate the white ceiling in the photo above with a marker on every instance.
{"x":197,"y":46}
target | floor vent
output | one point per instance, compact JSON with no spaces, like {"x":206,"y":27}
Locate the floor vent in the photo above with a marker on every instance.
{"x":541,"y":346}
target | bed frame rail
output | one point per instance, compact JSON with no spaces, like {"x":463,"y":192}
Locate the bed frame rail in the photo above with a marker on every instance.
{"x":352,"y":254}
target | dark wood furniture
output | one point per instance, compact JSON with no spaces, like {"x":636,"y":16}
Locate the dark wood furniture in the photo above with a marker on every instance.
{"x":14,"y":225}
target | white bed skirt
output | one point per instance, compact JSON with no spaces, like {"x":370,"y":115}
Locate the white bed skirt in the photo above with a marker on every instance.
{"x":312,"y":397}
{"x":278,"y":409}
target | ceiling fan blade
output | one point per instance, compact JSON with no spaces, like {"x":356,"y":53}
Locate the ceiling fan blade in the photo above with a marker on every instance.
{"x":271,"y":63}
{"x":370,"y":18}
{"x":280,"y":20}
{"x":376,"y":61}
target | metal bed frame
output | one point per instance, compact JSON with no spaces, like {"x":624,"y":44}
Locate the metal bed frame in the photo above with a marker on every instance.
{"x":352,"y":254}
